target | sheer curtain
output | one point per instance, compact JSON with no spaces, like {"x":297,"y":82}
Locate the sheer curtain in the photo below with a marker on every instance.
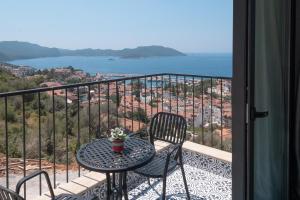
{"x":271,"y":67}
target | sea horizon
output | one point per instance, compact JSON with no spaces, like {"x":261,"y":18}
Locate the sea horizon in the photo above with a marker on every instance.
{"x":206,"y":64}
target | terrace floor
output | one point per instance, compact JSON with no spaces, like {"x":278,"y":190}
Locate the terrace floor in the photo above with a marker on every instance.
{"x":208,"y":177}
{"x":208,"y":173}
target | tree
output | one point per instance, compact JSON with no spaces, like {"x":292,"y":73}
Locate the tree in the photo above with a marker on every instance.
{"x":11,"y":114}
{"x":139,"y":115}
{"x":116,"y":99}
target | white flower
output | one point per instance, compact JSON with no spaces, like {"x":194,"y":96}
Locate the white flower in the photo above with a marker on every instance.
{"x":118,"y":133}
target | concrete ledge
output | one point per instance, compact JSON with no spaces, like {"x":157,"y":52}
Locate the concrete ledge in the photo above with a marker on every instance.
{"x":78,"y":186}
{"x":212,"y":152}
{"x":202,"y":149}
{"x":92,"y":179}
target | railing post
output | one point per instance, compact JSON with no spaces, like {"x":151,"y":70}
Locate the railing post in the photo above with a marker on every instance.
{"x":24,"y":141}
{"x":202,"y":110}
{"x":54,"y":141}
{"x":221,"y":114}
{"x":125,"y":97}
{"x":67,"y":136}
{"x":99,"y":110}
{"x":78,"y":123}
{"x":139,"y":103}
{"x":40,"y":142}
{"x":162,"y":93}
{"x":108,"y":105}
{"x":89,"y":111}
{"x":6,"y":143}
{"x":131,"y":105}
{"x":117,"y":102}
{"x":170,"y":94}
{"x":193,"y":108}
{"x":177,"y":94}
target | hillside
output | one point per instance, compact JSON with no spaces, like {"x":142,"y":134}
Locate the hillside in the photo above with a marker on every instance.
{"x":23,"y":50}
{"x":13,"y":50}
{"x":9,"y":82}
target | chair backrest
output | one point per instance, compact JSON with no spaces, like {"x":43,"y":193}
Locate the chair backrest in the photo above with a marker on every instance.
{"x":168,"y":127}
{"x":7,"y":194}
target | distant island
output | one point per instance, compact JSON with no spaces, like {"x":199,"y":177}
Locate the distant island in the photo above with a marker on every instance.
{"x":15,"y":50}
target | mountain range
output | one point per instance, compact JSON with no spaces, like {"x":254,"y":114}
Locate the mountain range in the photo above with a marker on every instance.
{"x":15,"y":50}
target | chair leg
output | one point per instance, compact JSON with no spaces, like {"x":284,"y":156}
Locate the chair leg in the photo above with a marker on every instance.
{"x":184,"y":180}
{"x":163,"y":196}
{"x":148,"y":180}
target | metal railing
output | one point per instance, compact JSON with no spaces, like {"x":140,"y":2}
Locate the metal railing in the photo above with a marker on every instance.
{"x":49,"y":124}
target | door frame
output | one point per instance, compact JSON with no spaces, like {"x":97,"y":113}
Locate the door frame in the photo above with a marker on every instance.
{"x":240,"y":171}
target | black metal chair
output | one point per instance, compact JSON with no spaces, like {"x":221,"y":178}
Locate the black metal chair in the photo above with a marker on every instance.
{"x":7,"y":194}
{"x":169,"y":128}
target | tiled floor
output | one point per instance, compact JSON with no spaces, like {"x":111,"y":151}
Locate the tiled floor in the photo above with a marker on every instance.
{"x":208,"y":178}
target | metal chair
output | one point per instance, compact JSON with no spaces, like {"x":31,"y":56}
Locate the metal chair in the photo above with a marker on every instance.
{"x":169,"y":128}
{"x":7,"y":194}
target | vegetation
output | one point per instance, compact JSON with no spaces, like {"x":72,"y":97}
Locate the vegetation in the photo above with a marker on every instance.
{"x":9,"y":82}
{"x":139,"y":115}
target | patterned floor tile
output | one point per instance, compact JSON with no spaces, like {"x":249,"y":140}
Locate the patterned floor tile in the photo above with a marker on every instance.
{"x":208,"y":179}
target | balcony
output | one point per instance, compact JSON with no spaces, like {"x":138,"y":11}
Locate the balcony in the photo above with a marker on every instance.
{"x":42,"y":128}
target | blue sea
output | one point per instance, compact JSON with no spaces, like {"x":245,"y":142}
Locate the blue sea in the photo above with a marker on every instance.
{"x":198,"y":64}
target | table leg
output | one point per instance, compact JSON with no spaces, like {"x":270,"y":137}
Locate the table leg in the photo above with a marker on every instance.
{"x":108,"y":186}
{"x":114,"y":180}
{"x":120,"y":185}
{"x":124,"y":187}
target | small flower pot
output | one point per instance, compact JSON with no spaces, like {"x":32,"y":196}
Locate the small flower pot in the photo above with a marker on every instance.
{"x":118,"y":145}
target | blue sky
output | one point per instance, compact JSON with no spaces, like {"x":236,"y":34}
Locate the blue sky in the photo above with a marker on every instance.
{"x":189,"y":26}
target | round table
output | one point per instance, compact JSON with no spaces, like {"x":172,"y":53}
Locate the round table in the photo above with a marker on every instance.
{"x":98,"y":156}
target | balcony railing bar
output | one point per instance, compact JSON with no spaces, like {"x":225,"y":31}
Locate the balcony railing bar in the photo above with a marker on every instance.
{"x":40,"y":142}
{"x":162,"y":93}
{"x":193,"y":108}
{"x":177,"y":94}
{"x":151,"y":81}
{"x":89,"y":111}
{"x":131,"y":104}
{"x":170,"y":94}
{"x":145,"y":99}
{"x":6,"y":143}
{"x":54,"y":141}
{"x":108,"y":110}
{"x":139,"y":102}
{"x":118,"y":102}
{"x":24,"y":141}
{"x":124,"y":114}
{"x":211,"y":111}
{"x":221,"y":114}
{"x":67,"y":136}
{"x":78,"y":119}
{"x":99,"y":109}
{"x":185,"y":91}
{"x":202,"y":110}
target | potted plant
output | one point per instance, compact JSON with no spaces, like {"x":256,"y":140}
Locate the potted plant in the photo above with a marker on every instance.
{"x":118,"y":137}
